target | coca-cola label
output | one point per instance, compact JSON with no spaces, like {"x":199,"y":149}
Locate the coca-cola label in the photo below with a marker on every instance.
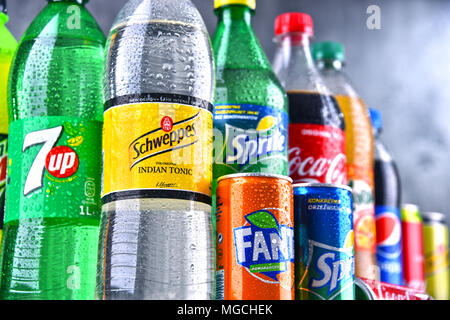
{"x":388,"y":291}
{"x":317,"y":154}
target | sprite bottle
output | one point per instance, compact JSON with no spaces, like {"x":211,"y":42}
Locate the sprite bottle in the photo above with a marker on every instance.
{"x":53,"y":207}
{"x":7,"y":47}
{"x":250,"y":108}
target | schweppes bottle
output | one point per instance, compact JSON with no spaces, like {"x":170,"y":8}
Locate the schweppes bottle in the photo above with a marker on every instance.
{"x":156,"y":235}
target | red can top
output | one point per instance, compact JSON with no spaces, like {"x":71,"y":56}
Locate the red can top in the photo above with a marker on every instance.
{"x":294,"y":22}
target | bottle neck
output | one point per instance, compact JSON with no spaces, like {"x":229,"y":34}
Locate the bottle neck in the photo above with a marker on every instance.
{"x":336,"y":65}
{"x":295,"y":48}
{"x":234,"y":42}
{"x":80,"y":2}
{"x":235,"y":14}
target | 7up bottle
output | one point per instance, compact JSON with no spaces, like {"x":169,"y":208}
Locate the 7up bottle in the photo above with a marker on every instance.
{"x":250,"y":111}
{"x":54,"y":167}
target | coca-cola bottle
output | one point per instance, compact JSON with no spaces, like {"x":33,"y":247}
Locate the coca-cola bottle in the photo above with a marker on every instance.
{"x":316,"y":126}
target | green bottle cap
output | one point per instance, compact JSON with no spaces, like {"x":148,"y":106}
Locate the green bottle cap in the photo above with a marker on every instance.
{"x":77,"y":1}
{"x":328,"y":50}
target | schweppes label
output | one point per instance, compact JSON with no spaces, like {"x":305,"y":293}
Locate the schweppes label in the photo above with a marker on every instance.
{"x":157,"y":146}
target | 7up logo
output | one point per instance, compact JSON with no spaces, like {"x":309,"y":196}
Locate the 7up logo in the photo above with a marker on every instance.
{"x":263,"y":246}
{"x":60,"y":161}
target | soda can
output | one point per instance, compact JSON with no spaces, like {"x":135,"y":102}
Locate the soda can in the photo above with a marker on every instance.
{"x":324,"y":242}
{"x":435,"y":242}
{"x":389,"y":244}
{"x":255,"y":237}
{"x":369,"y":289}
{"x":413,"y":263}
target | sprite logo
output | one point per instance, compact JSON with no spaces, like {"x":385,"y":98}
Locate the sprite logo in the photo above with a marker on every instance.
{"x":247,"y":146}
{"x":330,"y":270}
{"x":263,"y":246}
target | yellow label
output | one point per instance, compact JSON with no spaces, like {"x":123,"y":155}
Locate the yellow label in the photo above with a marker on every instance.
{"x":157,"y":146}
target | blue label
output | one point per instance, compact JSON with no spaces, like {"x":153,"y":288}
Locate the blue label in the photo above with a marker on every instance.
{"x":263,"y":246}
{"x":250,"y":133}
{"x":324,"y":243}
{"x":389,"y":246}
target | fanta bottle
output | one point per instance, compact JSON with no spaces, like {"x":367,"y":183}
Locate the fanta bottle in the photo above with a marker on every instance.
{"x":359,"y":149}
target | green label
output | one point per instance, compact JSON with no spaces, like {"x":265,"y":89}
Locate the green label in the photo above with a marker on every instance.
{"x":54,"y":168}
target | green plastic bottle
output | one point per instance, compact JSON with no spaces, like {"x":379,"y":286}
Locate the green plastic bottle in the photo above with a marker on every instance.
{"x":250,"y":108}
{"x":53,"y":207}
{"x":8,"y":45}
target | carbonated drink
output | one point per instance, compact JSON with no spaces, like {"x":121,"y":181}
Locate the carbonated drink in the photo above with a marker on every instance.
{"x":156,"y":232}
{"x":435,"y":246}
{"x":316,"y":127}
{"x":413,"y":261}
{"x":250,"y":112}
{"x":359,"y":150}
{"x":255,"y":237}
{"x":387,"y":210}
{"x":324,"y":242}
{"x":54,"y":168}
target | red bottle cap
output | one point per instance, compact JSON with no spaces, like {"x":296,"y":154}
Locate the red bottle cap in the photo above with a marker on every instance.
{"x":294,"y":22}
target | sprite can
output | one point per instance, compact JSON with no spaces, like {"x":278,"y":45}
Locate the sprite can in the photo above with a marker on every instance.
{"x":324,"y":242}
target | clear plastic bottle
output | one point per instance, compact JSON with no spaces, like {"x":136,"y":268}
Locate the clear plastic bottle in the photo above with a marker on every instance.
{"x":359,"y":149}
{"x":156,"y":232}
{"x":389,"y":253}
{"x":316,"y":123}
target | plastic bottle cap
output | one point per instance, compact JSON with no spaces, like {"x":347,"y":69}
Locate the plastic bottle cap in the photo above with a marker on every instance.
{"x":221,"y":3}
{"x":3,"y":6}
{"x":77,"y":1}
{"x":375,"y":118}
{"x":294,"y":22}
{"x":328,"y":50}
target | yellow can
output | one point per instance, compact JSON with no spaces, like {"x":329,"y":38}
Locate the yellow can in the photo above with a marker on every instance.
{"x":435,"y":246}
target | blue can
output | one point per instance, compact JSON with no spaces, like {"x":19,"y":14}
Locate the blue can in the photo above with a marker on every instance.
{"x":389,"y":245}
{"x":324,"y":242}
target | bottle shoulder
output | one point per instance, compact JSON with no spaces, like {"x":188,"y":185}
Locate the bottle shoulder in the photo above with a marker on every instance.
{"x":250,"y":86}
{"x":381,"y":152}
{"x":338,"y":83}
{"x":60,"y":20}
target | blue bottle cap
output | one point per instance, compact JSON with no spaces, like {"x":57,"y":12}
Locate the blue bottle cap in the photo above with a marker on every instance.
{"x":376,"y":119}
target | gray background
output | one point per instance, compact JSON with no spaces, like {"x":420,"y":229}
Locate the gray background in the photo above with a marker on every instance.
{"x":402,"y":69}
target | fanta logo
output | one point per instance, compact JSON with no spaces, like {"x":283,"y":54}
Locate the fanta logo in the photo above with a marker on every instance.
{"x":165,"y":139}
{"x":246,"y":146}
{"x":310,"y":169}
{"x":330,"y":268}
{"x":264,"y":246}
{"x":62,"y":162}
